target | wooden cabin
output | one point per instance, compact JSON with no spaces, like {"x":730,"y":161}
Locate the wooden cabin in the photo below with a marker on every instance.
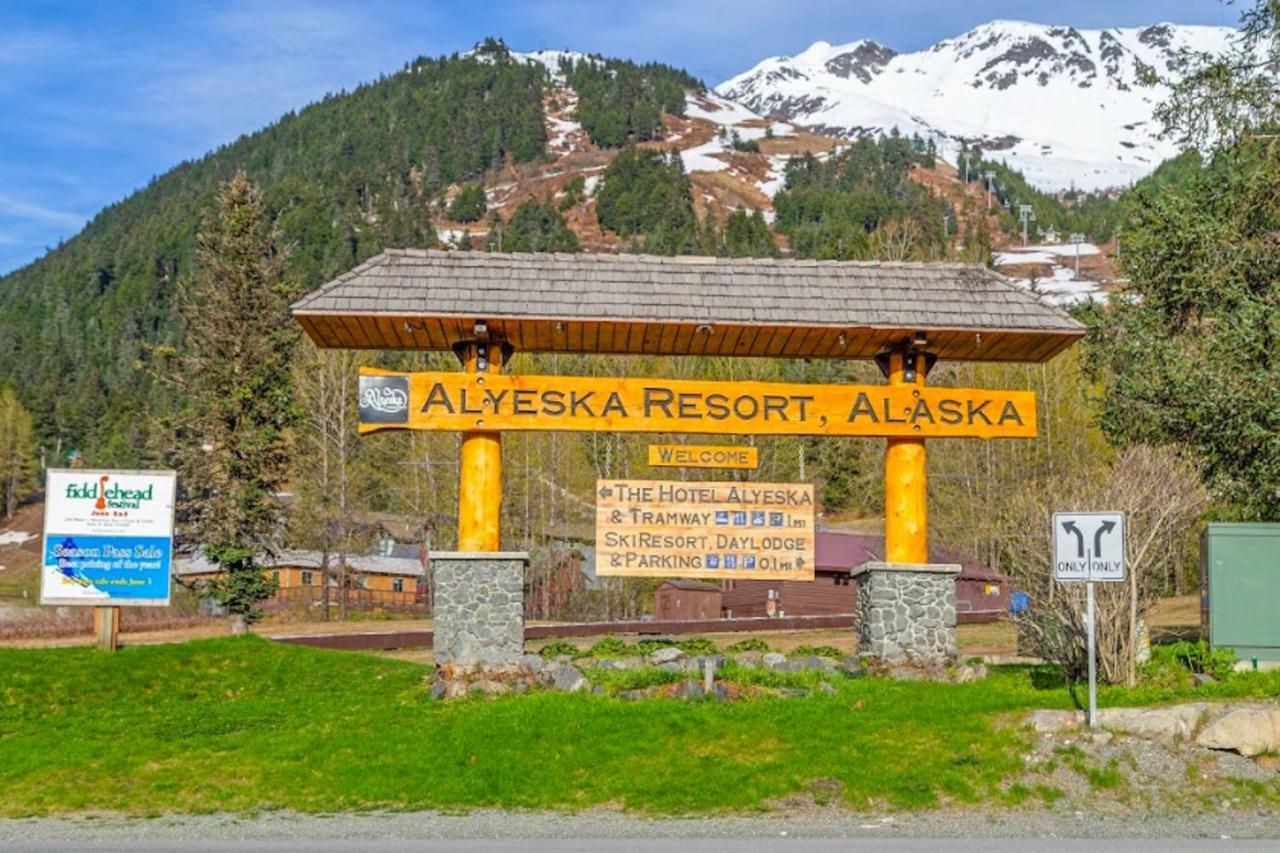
{"x":685,"y":599}
{"x":373,"y":580}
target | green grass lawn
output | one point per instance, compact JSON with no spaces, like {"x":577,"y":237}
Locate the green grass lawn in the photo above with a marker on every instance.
{"x":245,"y":724}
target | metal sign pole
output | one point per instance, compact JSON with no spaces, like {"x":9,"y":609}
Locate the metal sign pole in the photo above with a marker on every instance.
{"x":1093,"y":668}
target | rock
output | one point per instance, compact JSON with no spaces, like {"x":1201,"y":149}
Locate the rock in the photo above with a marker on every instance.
{"x":1248,"y":731}
{"x":531,"y":663}
{"x":1202,"y":678}
{"x":671,"y":666}
{"x":1054,"y":721}
{"x":969,"y":672}
{"x":669,"y":654}
{"x":773,"y":660}
{"x":438,"y":689}
{"x":1176,"y":721}
{"x":690,"y":689}
{"x":826,"y":687}
{"x":568,"y":679}
{"x":850,"y":666}
{"x":906,"y":672}
{"x":597,"y":689}
{"x":488,"y":687}
{"x":720,"y":692}
{"x":615,"y":665}
{"x":634,"y":695}
{"x":819,"y":662}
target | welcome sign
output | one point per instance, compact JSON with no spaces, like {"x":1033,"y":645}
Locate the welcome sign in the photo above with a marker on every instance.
{"x":468,"y":401}
{"x":108,"y":537}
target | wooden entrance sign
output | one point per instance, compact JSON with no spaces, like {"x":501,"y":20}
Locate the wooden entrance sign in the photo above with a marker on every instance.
{"x":703,"y":456}
{"x":461,"y":402}
{"x":742,"y":531}
{"x":903,"y":314}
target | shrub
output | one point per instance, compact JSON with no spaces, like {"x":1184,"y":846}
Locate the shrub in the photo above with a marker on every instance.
{"x":608,"y":647}
{"x":820,"y":651}
{"x":649,"y":645}
{"x":752,"y":644}
{"x":697,"y":646}
{"x":557,"y":648}
{"x":1196,"y":657}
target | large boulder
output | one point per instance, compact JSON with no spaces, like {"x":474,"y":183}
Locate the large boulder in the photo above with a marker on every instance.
{"x":1175,"y":721}
{"x":1047,"y":722}
{"x":568,"y":679}
{"x":669,"y":654}
{"x":1248,"y":731}
{"x":773,"y":660}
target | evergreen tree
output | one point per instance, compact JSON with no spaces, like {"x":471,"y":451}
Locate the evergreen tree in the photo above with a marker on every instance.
{"x":1188,"y":355}
{"x":534,"y":227}
{"x":238,"y":400}
{"x":647,"y":196}
{"x":17,"y":453}
{"x":469,"y":205}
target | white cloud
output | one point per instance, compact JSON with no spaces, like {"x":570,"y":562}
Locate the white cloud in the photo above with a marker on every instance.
{"x":16,"y":208}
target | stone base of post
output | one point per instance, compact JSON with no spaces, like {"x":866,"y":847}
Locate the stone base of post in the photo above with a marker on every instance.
{"x":478,"y":608}
{"x":907,"y":612}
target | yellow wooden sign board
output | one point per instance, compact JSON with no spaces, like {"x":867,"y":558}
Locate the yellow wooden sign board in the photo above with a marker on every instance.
{"x":743,"y":531}
{"x":468,"y":402}
{"x":703,"y":456}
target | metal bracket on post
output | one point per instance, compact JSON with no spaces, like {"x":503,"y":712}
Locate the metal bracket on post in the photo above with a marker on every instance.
{"x":913,"y":354}
{"x":484,"y":349}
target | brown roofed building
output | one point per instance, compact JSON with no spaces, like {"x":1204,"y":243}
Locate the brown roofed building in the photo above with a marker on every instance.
{"x":982,"y":594}
{"x":684,"y":599}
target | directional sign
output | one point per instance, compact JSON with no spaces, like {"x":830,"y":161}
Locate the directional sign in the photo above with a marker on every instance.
{"x":1088,"y":546}
{"x":744,"y":531}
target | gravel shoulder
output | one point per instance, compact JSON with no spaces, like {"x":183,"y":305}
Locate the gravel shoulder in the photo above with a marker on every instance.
{"x":601,"y":824}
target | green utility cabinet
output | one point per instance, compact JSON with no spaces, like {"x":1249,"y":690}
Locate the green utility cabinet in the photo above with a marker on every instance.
{"x":1240,"y":589}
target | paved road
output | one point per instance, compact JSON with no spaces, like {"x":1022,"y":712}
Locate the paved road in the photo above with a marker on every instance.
{"x":811,"y":831}
{"x":681,"y":845}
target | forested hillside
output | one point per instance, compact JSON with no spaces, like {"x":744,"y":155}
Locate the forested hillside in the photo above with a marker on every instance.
{"x":343,"y":178}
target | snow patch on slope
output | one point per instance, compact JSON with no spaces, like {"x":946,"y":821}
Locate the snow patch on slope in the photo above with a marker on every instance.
{"x":1064,"y":105}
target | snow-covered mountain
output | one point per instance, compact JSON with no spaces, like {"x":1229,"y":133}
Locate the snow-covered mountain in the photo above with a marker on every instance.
{"x":1064,"y":105}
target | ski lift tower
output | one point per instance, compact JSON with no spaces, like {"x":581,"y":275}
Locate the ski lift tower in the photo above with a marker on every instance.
{"x":1076,"y":240}
{"x":1027,"y":214}
{"x":991,"y":183}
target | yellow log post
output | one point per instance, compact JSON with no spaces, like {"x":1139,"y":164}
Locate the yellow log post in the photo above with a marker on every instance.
{"x":106,"y":626}
{"x":906,"y":512}
{"x":480,"y":472}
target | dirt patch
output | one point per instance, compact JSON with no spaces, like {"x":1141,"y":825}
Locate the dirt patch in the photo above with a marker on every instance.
{"x":800,"y":142}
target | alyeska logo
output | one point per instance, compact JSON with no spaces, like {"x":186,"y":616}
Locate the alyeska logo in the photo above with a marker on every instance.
{"x":384,"y":399}
{"x":108,"y":495}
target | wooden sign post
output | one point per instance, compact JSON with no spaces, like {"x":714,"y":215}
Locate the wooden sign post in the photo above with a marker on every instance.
{"x":480,"y":483}
{"x":906,"y":505}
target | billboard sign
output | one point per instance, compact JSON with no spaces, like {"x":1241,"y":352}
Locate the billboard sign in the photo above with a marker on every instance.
{"x":108,"y":537}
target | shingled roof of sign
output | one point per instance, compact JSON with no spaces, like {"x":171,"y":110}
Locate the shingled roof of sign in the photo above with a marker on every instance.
{"x":419,"y":299}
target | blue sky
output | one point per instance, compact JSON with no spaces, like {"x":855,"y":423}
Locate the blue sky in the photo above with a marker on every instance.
{"x":97,"y":97}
